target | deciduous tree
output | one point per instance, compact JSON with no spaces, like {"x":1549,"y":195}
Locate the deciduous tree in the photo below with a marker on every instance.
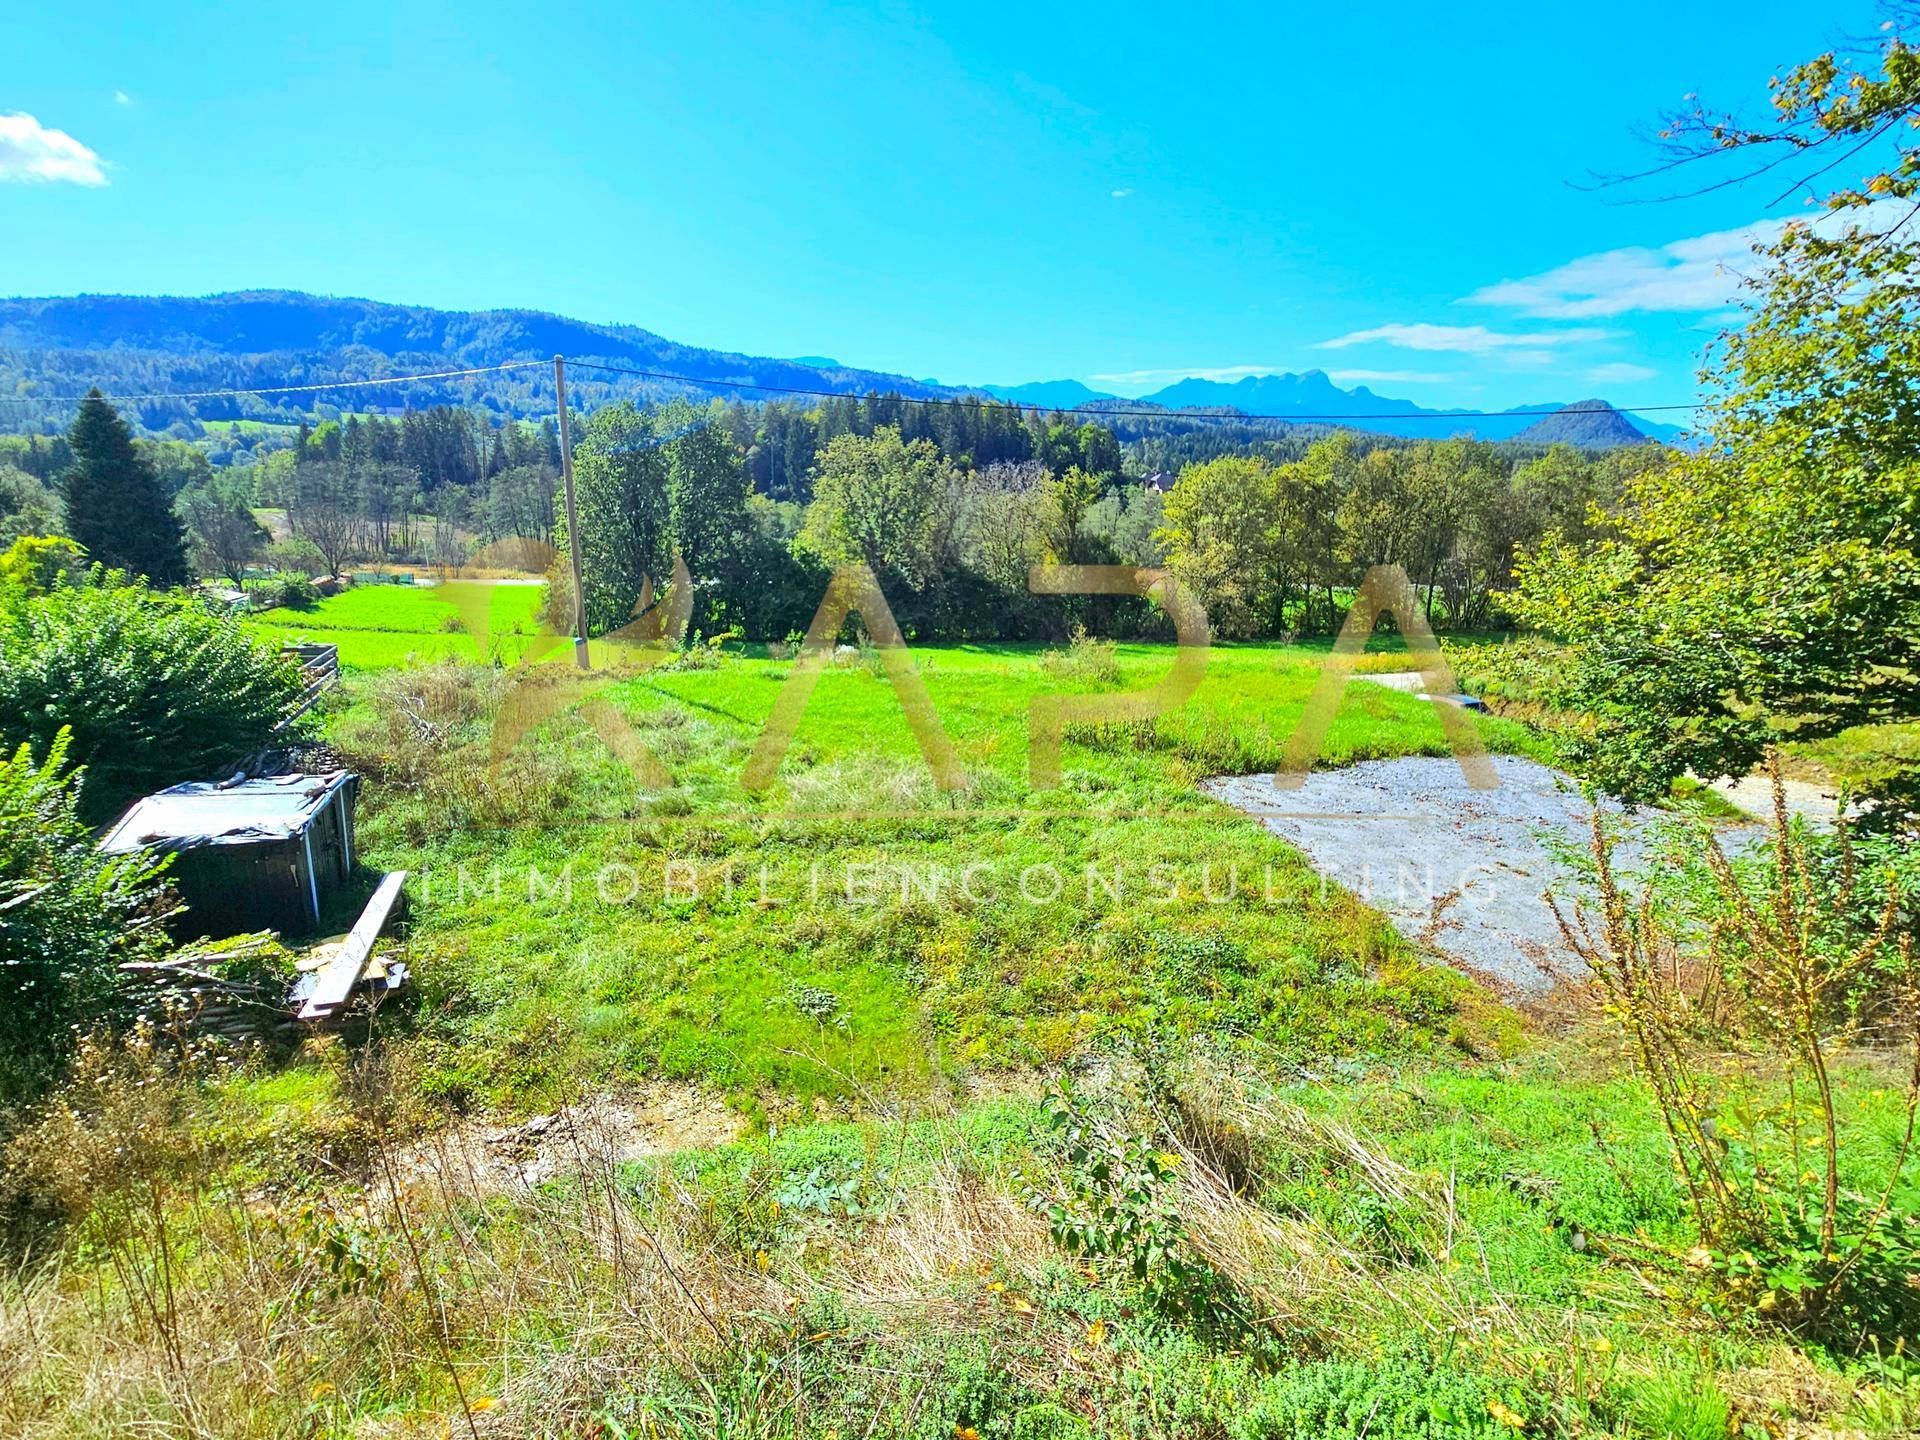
{"x":226,"y":536}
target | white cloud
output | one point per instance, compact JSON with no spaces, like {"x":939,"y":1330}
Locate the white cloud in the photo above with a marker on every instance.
{"x":1694,"y":275}
{"x":1390,"y":377}
{"x":1463,"y":339}
{"x":121,"y":97}
{"x":32,"y":151}
{"x":1620,"y":372}
{"x":1122,"y":194}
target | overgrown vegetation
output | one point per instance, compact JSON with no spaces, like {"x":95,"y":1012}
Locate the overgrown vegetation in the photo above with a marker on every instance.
{"x":69,"y":917}
{"x":794,"y":1051}
{"x":1789,"y":965}
{"x":151,"y":687}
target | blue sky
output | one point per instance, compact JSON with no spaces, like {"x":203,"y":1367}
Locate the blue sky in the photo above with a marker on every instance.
{"x":975,"y":192}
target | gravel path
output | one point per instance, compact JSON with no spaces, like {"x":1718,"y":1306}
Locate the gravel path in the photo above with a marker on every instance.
{"x":1816,"y":804}
{"x":1458,"y":870}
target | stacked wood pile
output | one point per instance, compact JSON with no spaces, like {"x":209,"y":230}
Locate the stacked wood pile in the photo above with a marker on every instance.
{"x":251,"y":989}
{"x":248,"y":1008}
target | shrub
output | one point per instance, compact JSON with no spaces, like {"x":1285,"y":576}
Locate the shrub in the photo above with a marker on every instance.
{"x":1114,"y":1195}
{"x":35,"y":564}
{"x":1085,"y":658}
{"x":154,"y":688}
{"x":68,"y":916}
{"x":1390,"y":1400}
{"x":289,"y":589}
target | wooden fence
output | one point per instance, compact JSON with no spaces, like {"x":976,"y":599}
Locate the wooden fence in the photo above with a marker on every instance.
{"x":320,"y":667}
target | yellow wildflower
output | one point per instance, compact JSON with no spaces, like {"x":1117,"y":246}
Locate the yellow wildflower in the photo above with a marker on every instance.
{"x":1506,"y":1414}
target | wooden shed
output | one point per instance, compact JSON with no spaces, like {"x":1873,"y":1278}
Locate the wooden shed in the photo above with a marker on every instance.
{"x":252,"y":853}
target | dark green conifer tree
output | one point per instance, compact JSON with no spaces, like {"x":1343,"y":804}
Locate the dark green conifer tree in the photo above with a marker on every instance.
{"x":116,"y":506}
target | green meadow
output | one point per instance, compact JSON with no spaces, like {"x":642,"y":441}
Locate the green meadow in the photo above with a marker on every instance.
{"x":814,"y":940}
{"x":385,"y":627}
{"x":852,"y":1104}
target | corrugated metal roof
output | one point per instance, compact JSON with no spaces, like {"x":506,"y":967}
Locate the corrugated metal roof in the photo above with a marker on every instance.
{"x":235,"y":812}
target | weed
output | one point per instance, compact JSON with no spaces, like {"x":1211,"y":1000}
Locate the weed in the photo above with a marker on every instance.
{"x":1387,"y":1400}
{"x":1765,"y":1178}
{"x":1676,"y":1405}
{"x":1086,"y":659}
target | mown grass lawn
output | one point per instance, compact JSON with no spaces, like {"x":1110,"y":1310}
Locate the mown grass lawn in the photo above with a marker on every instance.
{"x":386,"y":627}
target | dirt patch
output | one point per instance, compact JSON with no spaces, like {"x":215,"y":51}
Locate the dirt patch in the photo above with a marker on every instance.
{"x":654,"y":1118}
{"x":1460,"y":872}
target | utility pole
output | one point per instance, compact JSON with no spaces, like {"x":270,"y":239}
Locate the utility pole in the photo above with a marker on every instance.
{"x":573,"y":519}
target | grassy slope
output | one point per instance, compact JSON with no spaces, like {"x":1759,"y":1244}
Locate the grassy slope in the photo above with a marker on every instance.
{"x":641,"y":976}
{"x":1408,"y":1220}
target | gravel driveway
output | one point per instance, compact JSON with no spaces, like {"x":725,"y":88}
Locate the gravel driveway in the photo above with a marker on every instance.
{"x":1459,"y":871}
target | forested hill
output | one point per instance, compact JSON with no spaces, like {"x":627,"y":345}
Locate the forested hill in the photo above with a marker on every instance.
{"x":51,"y":350}
{"x":1585,"y":424}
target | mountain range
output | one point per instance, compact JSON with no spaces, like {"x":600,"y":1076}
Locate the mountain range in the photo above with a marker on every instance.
{"x":247,"y":339}
{"x":1312,"y":398}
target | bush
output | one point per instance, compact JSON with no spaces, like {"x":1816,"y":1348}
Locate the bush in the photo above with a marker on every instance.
{"x":289,"y":589}
{"x":154,"y":688}
{"x":1791,"y":960}
{"x":68,"y":917}
{"x":1085,"y":658}
{"x":1395,"y":1400}
{"x":1112,"y":1195}
{"x":35,"y":564}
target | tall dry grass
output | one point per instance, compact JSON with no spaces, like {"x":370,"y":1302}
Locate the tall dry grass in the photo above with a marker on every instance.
{"x":167,"y":1281}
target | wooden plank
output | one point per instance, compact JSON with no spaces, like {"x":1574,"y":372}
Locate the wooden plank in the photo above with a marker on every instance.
{"x":349,"y":962}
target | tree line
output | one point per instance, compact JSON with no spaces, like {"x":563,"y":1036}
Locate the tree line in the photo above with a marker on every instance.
{"x":949,"y":505}
{"x":1271,"y":548}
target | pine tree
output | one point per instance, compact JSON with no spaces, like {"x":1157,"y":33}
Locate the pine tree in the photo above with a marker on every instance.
{"x":116,"y":506}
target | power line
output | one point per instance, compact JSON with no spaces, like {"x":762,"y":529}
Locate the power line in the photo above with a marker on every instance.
{"x":1142,"y":412}
{"x":1157,"y":414}
{"x":326,"y":385}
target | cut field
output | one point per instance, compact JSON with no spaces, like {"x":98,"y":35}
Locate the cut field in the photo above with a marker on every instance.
{"x":386,"y":627}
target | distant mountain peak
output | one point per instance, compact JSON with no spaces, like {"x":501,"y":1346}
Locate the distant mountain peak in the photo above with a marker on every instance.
{"x":1588,"y":424}
{"x":1049,"y":394}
